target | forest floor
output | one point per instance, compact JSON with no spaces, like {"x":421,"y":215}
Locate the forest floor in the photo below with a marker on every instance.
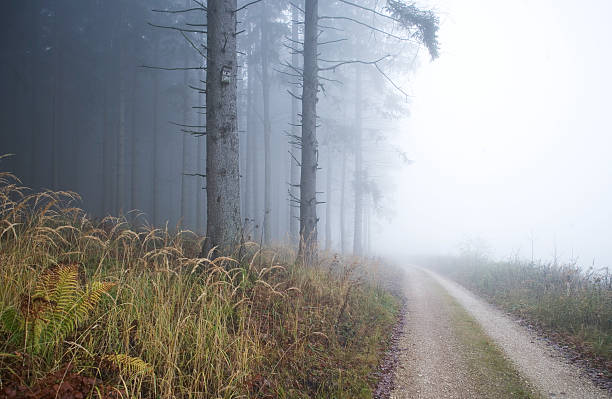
{"x":454,"y":345}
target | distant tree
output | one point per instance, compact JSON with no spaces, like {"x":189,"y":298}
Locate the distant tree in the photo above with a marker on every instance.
{"x":421,"y":25}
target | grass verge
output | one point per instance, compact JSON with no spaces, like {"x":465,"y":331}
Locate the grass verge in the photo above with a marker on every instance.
{"x":172,"y":324}
{"x":569,"y":304}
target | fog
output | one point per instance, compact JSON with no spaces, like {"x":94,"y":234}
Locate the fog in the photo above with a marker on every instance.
{"x":510,"y":132}
{"x":498,"y":137}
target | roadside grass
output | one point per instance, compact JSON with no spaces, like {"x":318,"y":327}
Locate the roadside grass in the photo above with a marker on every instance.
{"x":572,"y":305}
{"x":252,"y":324}
{"x":494,"y":375}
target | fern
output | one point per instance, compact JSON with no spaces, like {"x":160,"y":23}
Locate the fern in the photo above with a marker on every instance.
{"x":55,"y":310}
{"x":128,"y":365}
{"x":12,"y":322}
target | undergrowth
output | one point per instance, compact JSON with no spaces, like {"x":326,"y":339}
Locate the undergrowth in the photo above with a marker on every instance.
{"x":251,"y":324}
{"x":570,"y":304}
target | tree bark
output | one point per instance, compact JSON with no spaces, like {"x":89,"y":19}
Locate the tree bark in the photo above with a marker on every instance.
{"x":308,"y":178}
{"x":200,"y":205}
{"x":133,"y":144}
{"x":251,"y":143}
{"x":120,"y":200}
{"x":328,"y":202}
{"x":222,"y":146}
{"x":185,"y":149}
{"x":265,"y":89}
{"x":154,"y":158}
{"x":358,"y":231}
{"x":295,"y":131}
{"x":56,"y":134}
{"x":343,"y":246}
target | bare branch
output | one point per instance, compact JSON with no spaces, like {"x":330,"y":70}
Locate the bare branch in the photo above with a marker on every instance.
{"x":180,"y":11}
{"x":297,"y":7}
{"x":174,"y":69}
{"x":370,"y":10}
{"x":192,"y":44}
{"x":340,"y":63}
{"x":391,"y":81}
{"x":177,"y":29}
{"x":246,"y":5}
{"x":368,"y":26}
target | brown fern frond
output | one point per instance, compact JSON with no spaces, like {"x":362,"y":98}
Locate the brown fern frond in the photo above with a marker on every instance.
{"x":128,"y":365}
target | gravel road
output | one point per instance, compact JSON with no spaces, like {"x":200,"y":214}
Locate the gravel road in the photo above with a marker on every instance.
{"x":545,"y":367}
{"x":432,"y":364}
{"x":431,"y":361}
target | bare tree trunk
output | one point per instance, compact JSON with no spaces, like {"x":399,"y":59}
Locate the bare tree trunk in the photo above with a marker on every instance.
{"x":251,"y":143}
{"x":367,"y":230}
{"x":308,"y":178}
{"x":107,"y":157}
{"x":328,"y":203}
{"x":57,"y":104}
{"x":295,"y":131}
{"x":343,"y":246}
{"x":200,"y":205}
{"x":222,"y":146}
{"x":358,"y":231}
{"x":185,"y":149}
{"x":265,"y":89}
{"x":256,"y":186}
{"x":133,"y":143}
{"x":122,"y":119}
{"x":154,"y":159}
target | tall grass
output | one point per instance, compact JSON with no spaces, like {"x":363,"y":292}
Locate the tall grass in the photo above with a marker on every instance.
{"x":573,"y":304}
{"x":252,"y":324}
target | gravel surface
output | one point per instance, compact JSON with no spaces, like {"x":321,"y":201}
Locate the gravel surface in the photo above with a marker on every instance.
{"x":544,"y":366}
{"x":431,"y":362}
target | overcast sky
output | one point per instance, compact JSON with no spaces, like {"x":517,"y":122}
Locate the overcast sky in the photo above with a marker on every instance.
{"x":511,"y":133}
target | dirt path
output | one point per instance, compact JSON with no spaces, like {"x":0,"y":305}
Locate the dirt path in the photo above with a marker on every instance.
{"x":456,"y":346}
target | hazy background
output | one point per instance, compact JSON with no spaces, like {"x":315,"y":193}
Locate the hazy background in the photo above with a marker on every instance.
{"x":511,"y":135}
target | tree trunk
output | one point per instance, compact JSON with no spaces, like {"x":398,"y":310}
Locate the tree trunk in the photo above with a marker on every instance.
{"x":122,"y":118}
{"x":295,"y":149}
{"x":154,"y":158}
{"x":107,"y":152}
{"x":358,"y":231}
{"x":328,"y":203}
{"x":133,"y":143}
{"x":343,"y":246}
{"x":308,"y":178}
{"x":200,"y":205}
{"x":57,"y":104}
{"x":222,"y":147}
{"x":185,"y":149}
{"x":251,"y":143}
{"x":265,"y":89}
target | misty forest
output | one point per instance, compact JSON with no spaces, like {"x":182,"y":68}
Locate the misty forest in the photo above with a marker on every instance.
{"x":236,"y":198}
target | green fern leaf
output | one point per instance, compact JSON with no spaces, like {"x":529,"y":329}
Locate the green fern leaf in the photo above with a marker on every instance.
{"x":13,"y":324}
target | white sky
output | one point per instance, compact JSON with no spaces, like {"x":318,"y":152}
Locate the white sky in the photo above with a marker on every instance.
{"x":511,"y":133}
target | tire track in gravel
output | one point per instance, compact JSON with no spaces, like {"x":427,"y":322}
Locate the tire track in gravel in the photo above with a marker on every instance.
{"x":454,"y":345}
{"x":542,"y":365}
{"x":431,"y":364}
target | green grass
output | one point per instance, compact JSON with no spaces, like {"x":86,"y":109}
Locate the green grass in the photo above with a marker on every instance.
{"x":254,"y":324}
{"x":494,"y":374}
{"x":572,"y":305}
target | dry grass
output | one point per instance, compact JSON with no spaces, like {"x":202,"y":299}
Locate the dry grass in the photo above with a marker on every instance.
{"x":249,"y":325}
